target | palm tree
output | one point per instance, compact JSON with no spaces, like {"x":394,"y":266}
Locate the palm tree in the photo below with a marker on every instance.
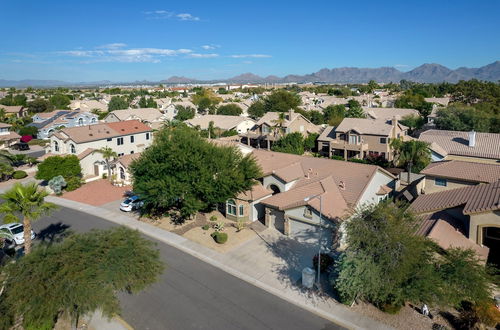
{"x":413,"y":154}
{"x":3,"y":114}
{"x":26,"y":202}
{"x":278,"y":124}
{"x":6,"y":171}
{"x":108,"y":154}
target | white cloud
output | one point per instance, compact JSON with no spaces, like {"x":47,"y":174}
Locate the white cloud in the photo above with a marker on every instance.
{"x":187,"y":17}
{"x":250,"y":56}
{"x":117,"y":54}
{"x":165,"y":14}
{"x":210,"y":47}
{"x":115,"y":45}
{"x":196,"y":55}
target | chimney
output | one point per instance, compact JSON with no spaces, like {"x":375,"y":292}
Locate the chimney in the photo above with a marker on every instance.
{"x":472,"y":139}
{"x":394,"y":123}
{"x":290,"y":114}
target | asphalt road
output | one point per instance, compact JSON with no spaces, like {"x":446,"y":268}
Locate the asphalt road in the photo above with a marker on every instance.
{"x":192,"y":294}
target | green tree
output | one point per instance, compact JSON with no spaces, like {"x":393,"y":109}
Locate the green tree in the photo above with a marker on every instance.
{"x":310,"y":142}
{"x":355,"y":110}
{"x":28,"y":130}
{"x":25,"y":203}
{"x":292,"y":143}
{"x":412,"y":153}
{"x":143,"y":103}
{"x":184,"y":113}
{"x":60,"y":101}
{"x":109,"y":155}
{"x":151,"y":103}
{"x":256,"y":109}
{"x":117,"y":103}
{"x":2,"y":114}
{"x":281,"y":101}
{"x":461,"y":118}
{"x":40,"y":105}
{"x":67,"y":166}
{"x":82,"y":274}
{"x":334,"y":114}
{"x":6,"y":171}
{"x":184,"y":173}
{"x":410,"y":100}
{"x":229,"y":110}
{"x":316,"y":117}
{"x":412,"y":121}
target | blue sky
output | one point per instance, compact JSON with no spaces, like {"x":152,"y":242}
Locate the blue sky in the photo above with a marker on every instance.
{"x":91,"y":40}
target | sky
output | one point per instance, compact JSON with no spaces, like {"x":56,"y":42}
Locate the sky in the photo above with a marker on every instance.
{"x":89,"y":40}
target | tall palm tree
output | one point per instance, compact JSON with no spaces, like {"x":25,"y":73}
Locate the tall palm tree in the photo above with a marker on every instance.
{"x":278,"y":124}
{"x":414,"y":154}
{"x":25,"y":203}
{"x":108,"y":154}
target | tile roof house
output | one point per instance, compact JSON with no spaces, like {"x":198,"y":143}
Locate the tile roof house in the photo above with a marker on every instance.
{"x":460,"y":145}
{"x":238,"y":123}
{"x":293,"y":186}
{"x":360,"y":138}
{"x":89,"y":105}
{"x":14,"y":110}
{"x":452,"y":174}
{"x":389,"y":113}
{"x":476,"y":208}
{"x":7,"y":137}
{"x":121,"y":168}
{"x":49,"y":122}
{"x":149,"y":116}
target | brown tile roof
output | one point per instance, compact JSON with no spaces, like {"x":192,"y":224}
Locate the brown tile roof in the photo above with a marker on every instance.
{"x":145,"y":114}
{"x":257,"y":192}
{"x":4,"y":125}
{"x":468,"y":171}
{"x":389,"y":113}
{"x":383,"y":190}
{"x":11,"y":108}
{"x":85,"y":153}
{"x":82,"y":134}
{"x":474,"y":199}
{"x":126,"y":160}
{"x":10,"y":136}
{"x":221,"y":121}
{"x":457,"y":143}
{"x":380,"y":127}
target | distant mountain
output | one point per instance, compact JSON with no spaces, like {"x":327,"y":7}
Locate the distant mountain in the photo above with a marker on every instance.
{"x":430,"y":73}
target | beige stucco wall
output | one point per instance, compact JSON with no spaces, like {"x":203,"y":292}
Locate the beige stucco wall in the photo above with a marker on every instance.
{"x":88,"y":162}
{"x":478,"y":221}
{"x":301,"y":125}
{"x":473,"y":159}
{"x":430,"y":186}
{"x":370,"y":196}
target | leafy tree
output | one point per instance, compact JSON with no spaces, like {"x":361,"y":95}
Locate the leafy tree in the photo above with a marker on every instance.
{"x":83,"y":273}
{"x":459,"y":118}
{"x":256,"y":109}
{"x":310,"y":141}
{"x":355,"y":110}
{"x":3,"y":114}
{"x":281,"y":101}
{"x":414,"y":101}
{"x":292,"y":143}
{"x":184,"y":113}
{"x":372,"y":84}
{"x":60,"y":101}
{"x":412,"y":152}
{"x":117,"y":103}
{"x":40,"y":105}
{"x":231,"y":132}
{"x":28,"y":130}
{"x":151,"y":103}
{"x":67,"y":166}
{"x":278,"y":124}
{"x":412,"y":121}
{"x":184,"y":173}
{"x":10,"y":99}
{"x":25,"y":203}
{"x":316,"y":117}
{"x":108,"y":154}
{"x":143,"y":103}
{"x":205,"y":99}
{"x":334,"y":114}
{"x":229,"y":110}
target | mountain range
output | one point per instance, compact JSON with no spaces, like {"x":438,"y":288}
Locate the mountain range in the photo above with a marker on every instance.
{"x":429,"y":73}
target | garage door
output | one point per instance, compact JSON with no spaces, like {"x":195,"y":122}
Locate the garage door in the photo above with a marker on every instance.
{"x":307,"y":233}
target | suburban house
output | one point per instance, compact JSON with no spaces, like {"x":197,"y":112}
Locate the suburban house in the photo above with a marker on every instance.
{"x":238,"y":123}
{"x":7,"y":137}
{"x":389,"y":113}
{"x":468,"y":146}
{"x":49,"y":122}
{"x":270,"y":128}
{"x":14,"y":110}
{"x":294,"y":189}
{"x":124,"y":137}
{"x":437,"y":103}
{"x":170,"y":110}
{"x":121,"y":167}
{"x":451,"y":174}
{"x":360,"y":138}
{"x":89,"y":105}
{"x":473,"y":211}
{"x":149,"y":116}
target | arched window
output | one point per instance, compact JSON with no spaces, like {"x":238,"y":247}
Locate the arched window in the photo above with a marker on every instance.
{"x":80,"y":121}
{"x":274,"y":188}
{"x":241,"y":209}
{"x":56,"y":146}
{"x":122,"y":173}
{"x":72,"y":148}
{"x":93,"y":120}
{"x":231,"y":207}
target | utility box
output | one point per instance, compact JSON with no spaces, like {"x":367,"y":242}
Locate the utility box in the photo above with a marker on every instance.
{"x":308,"y":277}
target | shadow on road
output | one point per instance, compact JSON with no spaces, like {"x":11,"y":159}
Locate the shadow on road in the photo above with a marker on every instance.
{"x":54,"y":233}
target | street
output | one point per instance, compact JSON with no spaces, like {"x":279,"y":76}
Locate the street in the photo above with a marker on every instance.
{"x":191,"y":294}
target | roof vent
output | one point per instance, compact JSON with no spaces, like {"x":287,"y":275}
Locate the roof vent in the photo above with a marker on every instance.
{"x":342,"y":185}
{"x":123,"y":129}
{"x":472,"y":139}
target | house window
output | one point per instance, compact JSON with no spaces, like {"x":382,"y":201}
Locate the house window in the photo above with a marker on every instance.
{"x":109,"y":139}
{"x":72,"y":148}
{"x":121,"y":154}
{"x":56,"y":146}
{"x":132,"y":152}
{"x":131,"y":139}
{"x":440,"y":182}
{"x":147,"y":136}
{"x":307,"y":212}
{"x":265,"y":129}
{"x":383,"y":140}
{"x":119,"y":141}
{"x":241,"y":208}
{"x":353,"y":139}
{"x":93,"y":120}
{"x":122,"y":173}
{"x":231,"y":207}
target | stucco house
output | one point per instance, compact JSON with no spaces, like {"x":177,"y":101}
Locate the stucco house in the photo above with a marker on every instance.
{"x":49,"y":122}
{"x":14,"y":110}
{"x":360,"y":137}
{"x":238,"y":123}
{"x":149,"y":116}
{"x":7,"y":137}
{"x":125,"y":137}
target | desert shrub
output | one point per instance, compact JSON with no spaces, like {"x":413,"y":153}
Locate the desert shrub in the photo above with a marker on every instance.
{"x":326,"y":261}
{"x":219,"y":237}
{"x":337,"y":157}
{"x":213,"y":218}
{"x":19,"y":175}
{"x":57,"y":184}
{"x":390,"y":308}
{"x":205,"y":227}
{"x":219,"y":226}
{"x":73,"y":183}
{"x":240,"y":225}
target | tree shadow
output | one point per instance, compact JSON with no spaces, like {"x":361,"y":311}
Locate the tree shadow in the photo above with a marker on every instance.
{"x":53,"y":233}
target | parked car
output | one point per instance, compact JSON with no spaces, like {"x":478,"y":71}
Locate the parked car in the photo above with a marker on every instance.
{"x":131,"y":203}
{"x":21,"y":146}
{"x":15,"y":232}
{"x":128,"y":193}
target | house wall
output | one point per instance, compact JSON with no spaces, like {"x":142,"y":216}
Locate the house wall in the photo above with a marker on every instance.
{"x":245,"y":126}
{"x":472,"y":159}
{"x":301,"y":125}
{"x":431,"y":187}
{"x":370,"y":196}
{"x":481,"y":220}
{"x":271,"y":179}
{"x":88,"y":119}
{"x":111,"y":118}
{"x":88,"y":162}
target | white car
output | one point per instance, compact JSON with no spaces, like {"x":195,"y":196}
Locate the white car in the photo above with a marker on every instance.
{"x":131,"y":203}
{"x":15,"y":232}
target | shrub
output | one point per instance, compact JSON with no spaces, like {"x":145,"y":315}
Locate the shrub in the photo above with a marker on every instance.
{"x":337,"y":157}
{"x":240,"y":225}
{"x":57,"y":184}
{"x":73,"y":183}
{"x":390,"y":308}
{"x":66,"y":166}
{"x":213,"y":218}
{"x":219,"y":226}
{"x":326,"y":261}
{"x":19,"y":175}
{"x":205,"y":227}
{"x":219,"y":237}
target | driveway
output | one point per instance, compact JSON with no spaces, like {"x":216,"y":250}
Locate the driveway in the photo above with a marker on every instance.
{"x":97,"y":193}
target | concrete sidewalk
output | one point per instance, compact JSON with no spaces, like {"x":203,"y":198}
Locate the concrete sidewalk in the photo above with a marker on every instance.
{"x":253,"y":263}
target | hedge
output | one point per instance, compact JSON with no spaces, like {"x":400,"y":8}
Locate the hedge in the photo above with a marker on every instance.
{"x":19,"y":175}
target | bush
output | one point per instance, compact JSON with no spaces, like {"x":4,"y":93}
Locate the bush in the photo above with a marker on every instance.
{"x":73,"y":183}
{"x":219,"y":237}
{"x":57,"y":184}
{"x":337,"y":157}
{"x":390,"y":308}
{"x":205,"y":227}
{"x":213,"y":218}
{"x":326,"y":261}
{"x":66,"y":166}
{"x":19,"y":175}
{"x":38,"y":142}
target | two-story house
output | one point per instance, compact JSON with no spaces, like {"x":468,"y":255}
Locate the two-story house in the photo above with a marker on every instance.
{"x":124,"y":137}
{"x":14,"y":110}
{"x":238,"y":123}
{"x":360,"y":138}
{"x":7,"y":137}
{"x":149,"y":116}
{"x":49,"y":122}
{"x":271,"y":128}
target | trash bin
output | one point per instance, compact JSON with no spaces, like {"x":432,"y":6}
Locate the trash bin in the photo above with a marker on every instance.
{"x":308,"y":277}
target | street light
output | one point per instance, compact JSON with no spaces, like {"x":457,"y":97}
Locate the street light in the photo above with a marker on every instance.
{"x":320,"y":232}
